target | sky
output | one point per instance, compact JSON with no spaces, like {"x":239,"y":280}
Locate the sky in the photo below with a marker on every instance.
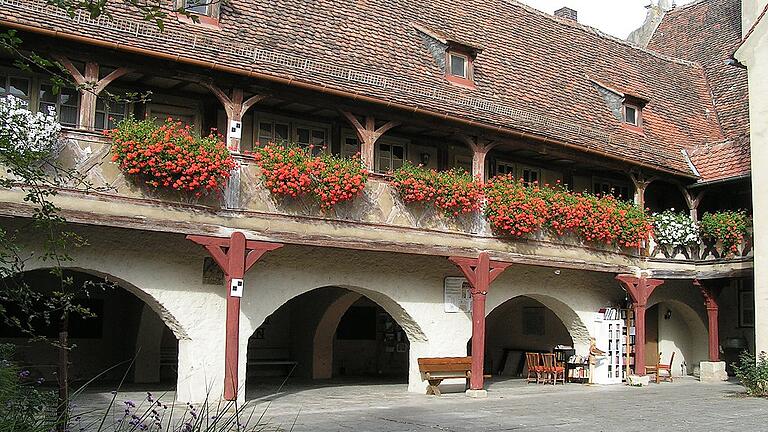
{"x":615,"y":17}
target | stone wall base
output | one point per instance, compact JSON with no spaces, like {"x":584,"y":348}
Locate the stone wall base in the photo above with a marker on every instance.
{"x":712,"y":371}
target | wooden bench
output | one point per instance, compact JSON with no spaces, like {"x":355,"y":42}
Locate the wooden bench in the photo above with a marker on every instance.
{"x":436,"y":369}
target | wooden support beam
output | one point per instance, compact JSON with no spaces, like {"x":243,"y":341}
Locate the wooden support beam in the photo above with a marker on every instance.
{"x":641,"y":182}
{"x":235,"y":107}
{"x":480,"y":149}
{"x":711,"y":291}
{"x":90,"y":86}
{"x":235,"y":256}
{"x":639,"y":289}
{"x":692,"y":200}
{"x":480,"y":273}
{"x":368,"y":134}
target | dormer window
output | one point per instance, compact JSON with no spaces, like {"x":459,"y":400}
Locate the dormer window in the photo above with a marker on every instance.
{"x":631,"y":115}
{"x":459,"y":65}
{"x":458,"y":68}
{"x":199,"y":11}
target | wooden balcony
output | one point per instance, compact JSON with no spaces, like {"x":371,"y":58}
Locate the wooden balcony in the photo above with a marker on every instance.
{"x":375,"y":221}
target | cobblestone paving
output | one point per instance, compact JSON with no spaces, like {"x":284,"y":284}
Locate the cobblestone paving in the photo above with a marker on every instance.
{"x":685,"y":405}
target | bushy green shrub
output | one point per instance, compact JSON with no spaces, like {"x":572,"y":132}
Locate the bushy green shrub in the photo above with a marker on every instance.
{"x":753,"y":373}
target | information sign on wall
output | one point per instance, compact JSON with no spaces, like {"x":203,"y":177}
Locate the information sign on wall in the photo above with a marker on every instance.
{"x":458,"y":297}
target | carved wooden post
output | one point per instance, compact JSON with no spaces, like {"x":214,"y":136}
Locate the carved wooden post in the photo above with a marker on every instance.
{"x":239,"y":257}
{"x":235,"y":107}
{"x":641,"y":183}
{"x":639,"y":289}
{"x":90,"y":87}
{"x":368,"y":134}
{"x":692,"y":201}
{"x":710,"y":294}
{"x":480,"y":273}
{"x":480,"y":151}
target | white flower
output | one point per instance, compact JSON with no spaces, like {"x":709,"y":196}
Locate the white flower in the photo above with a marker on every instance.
{"x":675,"y":229}
{"x":27,"y":132}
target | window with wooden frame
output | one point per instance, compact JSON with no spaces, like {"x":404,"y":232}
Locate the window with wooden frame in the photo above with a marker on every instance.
{"x":632,"y":115}
{"x":207,"y":11}
{"x":504,"y":168}
{"x":530,"y":175}
{"x":16,"y":86}
{"x":390,"y":154}
{"x":459,"y":68}
{"x":109,"y":113}
{"x":313,"y":137}
{"x":602,"y":186}
{"x":746,"y":304}
{"x":272,"y":131}
{"x":65,"y":104}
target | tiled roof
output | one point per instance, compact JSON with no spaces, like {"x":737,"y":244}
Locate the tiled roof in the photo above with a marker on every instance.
{"x":534,"y":74}
{"x":708,"y":32}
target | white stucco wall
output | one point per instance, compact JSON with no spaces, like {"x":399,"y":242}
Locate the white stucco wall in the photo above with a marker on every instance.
{"x":754,"y":54}
{"x":165,"y":270}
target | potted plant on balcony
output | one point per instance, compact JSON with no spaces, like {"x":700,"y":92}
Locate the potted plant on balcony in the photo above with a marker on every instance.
{"x":289,"y":170}
{"x":675,"y":233}
{"x":170,"y":157}
{"x":725,"y":230}
{"x":33,"y":136}
{"x":453,"y":192}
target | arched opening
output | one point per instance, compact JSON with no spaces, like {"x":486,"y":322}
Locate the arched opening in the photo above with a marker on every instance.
{"x":119,"y":327}
{"x":331,"y":336}
{"x":529,"y":323}
{"x":660,"y":196}
{"x":672,"y":326}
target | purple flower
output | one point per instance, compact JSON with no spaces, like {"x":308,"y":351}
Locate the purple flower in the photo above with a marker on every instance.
{"x":24,"y":374}
{"x":130,"y":403}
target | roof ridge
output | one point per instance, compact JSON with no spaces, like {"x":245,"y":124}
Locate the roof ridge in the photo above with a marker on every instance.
{"x":599,"y":33}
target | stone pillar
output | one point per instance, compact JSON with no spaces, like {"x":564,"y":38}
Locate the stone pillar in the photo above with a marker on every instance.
{"x":146,"y":368}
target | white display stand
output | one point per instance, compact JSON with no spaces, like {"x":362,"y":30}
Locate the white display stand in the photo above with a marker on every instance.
{"x":609,"y":367}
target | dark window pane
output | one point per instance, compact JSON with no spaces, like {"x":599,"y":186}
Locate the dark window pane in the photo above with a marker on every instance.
{"x":631,"y":115}
{"x":19,"y":87}
{"x":68,"y":116}
{"x":197,"y":6}
{"x":398,"y":152}
{"x":100,"y":120}
{"x":46,"y":94}
{"x":281,"y":132}
{"x":458,"y":66}
{"x":302,"y":136}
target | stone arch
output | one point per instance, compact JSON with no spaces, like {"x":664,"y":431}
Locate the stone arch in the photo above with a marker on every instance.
{"x":570,"y":319}
{"x":329,"y":319}
{"x":322,"y":344}
{"x":685,"y":333}
{"x":166,"y":316}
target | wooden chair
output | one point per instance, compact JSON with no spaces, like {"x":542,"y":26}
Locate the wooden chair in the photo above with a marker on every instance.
{"x":552,"y":369}
{"x":535,"y":369}
{"x":659,"y":367}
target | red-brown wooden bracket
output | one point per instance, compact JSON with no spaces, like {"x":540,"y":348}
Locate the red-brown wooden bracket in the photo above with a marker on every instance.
{"x":480,"y":150}
{"x":235,"y":256}
{"x":368,"y":134}
{"x":639,"y":289}
{"x":711,"y":292}
{"x":90,"y":87}
{"x":480,"y":273}
{"x":641,"y":183}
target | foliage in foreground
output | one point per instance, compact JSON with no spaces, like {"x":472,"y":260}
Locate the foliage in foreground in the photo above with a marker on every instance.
{"x":753,"y":373}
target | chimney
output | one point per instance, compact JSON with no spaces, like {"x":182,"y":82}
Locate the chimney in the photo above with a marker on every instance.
{"x":567,"y":13}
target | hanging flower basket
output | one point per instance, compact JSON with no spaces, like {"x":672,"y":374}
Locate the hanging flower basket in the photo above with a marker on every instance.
{"x":170,"y":157}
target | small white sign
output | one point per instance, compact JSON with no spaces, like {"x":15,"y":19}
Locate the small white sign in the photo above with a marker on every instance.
{"x":236,"y":288}
{"x":235,"y":130}
{"x":458,"y":295}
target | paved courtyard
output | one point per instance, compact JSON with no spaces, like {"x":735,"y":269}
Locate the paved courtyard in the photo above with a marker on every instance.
{"x":685,"y":405}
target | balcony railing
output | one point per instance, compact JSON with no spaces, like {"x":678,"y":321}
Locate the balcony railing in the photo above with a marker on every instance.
{"x":706,"y":250}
